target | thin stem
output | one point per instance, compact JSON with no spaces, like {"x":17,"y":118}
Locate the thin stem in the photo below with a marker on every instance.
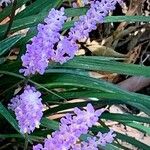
{"x":26,"y":142}
{"x":29,"y":80}
{"x":5,"y":146}
{"x":11,"y":18}
{"x":12,"y":74}
{"x":39,"y":85}
{"x":69,"y":2}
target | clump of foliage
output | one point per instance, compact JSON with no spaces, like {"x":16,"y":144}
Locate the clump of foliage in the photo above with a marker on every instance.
{"x":49,"y":51}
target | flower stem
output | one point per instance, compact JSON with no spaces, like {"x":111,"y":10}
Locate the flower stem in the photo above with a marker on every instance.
{"x":26,"y":142}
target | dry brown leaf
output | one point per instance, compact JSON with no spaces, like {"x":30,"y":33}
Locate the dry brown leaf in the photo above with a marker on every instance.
{"x":96,"y":75}
{"x":4,"y":21}
{"x":134,"y":54}
{"x":134,"y":6}
{"x":80,"y":52}
{"x":116,"y":109}
{"x":79,"y":3}
{"x":110,"y":77}
{"x":13,"y":54}
{"x":100,"y":50}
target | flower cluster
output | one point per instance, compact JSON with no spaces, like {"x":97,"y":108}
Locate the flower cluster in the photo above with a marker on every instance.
{"x":49,"y":44}
{"x":41,"y":49}
{"x":28,"y":109}
{"x":72,"y":127}
{"x":96,"y":14}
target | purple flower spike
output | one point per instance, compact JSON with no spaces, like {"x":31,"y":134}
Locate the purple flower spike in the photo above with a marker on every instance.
{"x":98,"y":10}
{"x":41,"y":49}
{"x":72,"y":127}
{"x":49,"y":44}
{"x":28,"y":109}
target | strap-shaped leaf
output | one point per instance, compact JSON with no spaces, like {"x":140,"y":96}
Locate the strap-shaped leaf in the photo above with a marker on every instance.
{"x":100,"y":64}
{"x":5,"y":113}
{"x":38,"y":6}
{"x":6,"y":44}
{"x":7,"y":10}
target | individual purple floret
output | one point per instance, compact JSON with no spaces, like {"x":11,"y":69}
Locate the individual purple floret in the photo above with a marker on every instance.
{"x":90,"y":144}
{"x":105,"y":138}
{"x":93,"y":143}
{"x":28,"y":109}
{"x":89,"y":116}
{"x":41,"y":49}
{"x":65,"y":51}
{"x":98,"y":10}
{"x":71,"y":128}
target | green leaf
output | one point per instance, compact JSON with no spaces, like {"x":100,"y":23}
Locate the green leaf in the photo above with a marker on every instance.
{"x":73,"y":12}
{"x":5,"y":113}
{"x":129,"y":120}
{"x":98,"y":64}
{"x":125,"y":117}
{"x":22,"y":23}
{"x":31,"y":137}
{"x":2,"y":60}
{"x":104,"y":97}
{"x":115,"y":146}
{"x":100,"y":103}
{"x":140,"y":101}
{"x":33,"y":20}
{"x":129,"y":19}
{"x":82,"y":94}
{"x":29,"y":21}
{"x":138,"y":126}
{"x":50,"y":124}
{"x":10,"y":136}
{"x":61,"y":80}
{"x":132,"y":141}
{"x":6,"y":44}
{"x":7,"y":10}
{"x":37,"y":7}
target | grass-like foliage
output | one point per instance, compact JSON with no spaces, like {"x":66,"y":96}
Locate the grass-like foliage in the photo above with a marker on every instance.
{"x":65,"y":58}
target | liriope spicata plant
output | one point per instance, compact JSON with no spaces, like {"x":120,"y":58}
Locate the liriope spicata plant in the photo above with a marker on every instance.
{"x":41,"y":80}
